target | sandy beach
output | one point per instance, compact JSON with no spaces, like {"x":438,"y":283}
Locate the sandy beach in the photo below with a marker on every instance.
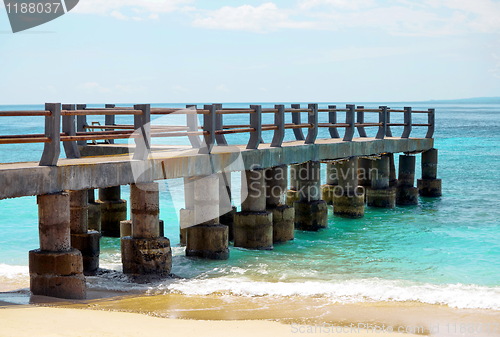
{"x":224,"y":315}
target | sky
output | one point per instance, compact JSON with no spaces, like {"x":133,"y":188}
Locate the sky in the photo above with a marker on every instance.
{"x":175,"y":51}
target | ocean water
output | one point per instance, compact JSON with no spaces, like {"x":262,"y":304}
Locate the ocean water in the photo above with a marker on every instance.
{"x":444,"y":251}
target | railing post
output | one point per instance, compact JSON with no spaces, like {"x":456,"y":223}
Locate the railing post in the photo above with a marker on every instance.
{"x":431,"y":121}
{"x":81,"y":123}
{"x":407,"y":129}
{"x":312,"y":118}
{"x":349,"y":119}
{"x":110,"y":120}
{"x":382,"y":119}
{"x":279,"y":121}
{"x":219,"y":125}
{"x":68,"y":127}
{"x":142,"y":125}
{"x":52,"y":149}
{"x":209,"y":126}
{"x":361,"y":120}
{"x":192,"y":124}
{"x":299,"y":135}
{"x":255,"y":123}
{"x":332,"y":119}
{"x":388,"y":131}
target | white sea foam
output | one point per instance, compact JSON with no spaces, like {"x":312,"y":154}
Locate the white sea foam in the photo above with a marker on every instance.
{"x":13,"y":272}
{"x":346,"y":291}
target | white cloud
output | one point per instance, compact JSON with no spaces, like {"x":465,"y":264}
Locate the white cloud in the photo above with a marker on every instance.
{"x":119,"y":9}
{"x":339,"y":4}
{"x":263,"y":18}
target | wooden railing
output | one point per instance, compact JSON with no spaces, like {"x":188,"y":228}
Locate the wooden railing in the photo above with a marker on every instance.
{"x":68,"y":124}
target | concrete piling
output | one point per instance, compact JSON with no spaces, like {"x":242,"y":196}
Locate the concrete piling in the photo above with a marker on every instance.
{"x":145,"y":251}
{"x":82,"y":238}
{"x":380,"y":194}
{"x":349,"y":199}
{"x":113,"y":210}
{"x":94,"y":212}
{"x":311,"y":212}
{"x":186,"y":214}
{"x":283,"y":215}
{"x":292,"y":195}
{"x":207,"y":238}
{"x":226,"y":210}
{"x":365,"y":174}
{"x":393,"y":180}
{"x":429,"y":185}
{"x":56,"y":269}
{"x":406,"y":192}
{"x":332,"y":181}
{"x":253,"y":226}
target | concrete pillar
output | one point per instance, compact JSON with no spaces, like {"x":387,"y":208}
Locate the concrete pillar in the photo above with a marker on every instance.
{"x":253,"y":226}
{"x":380,"y":194}
{"x":406,"y":192}
{"x":186,"y":215}
{"x":82,"y":239}
{"x":311,"y":213}
{"x":283,"y":215}
{"x":292,"y":194}
{"x":113,"y":210}
{"x":393,"y":180}
{"x":332,"y":181}
{"x":56,"y":269}
{"x":94,"y":214}
{"x":349,"y":200}
{"x":226,"y":210}
{"x":145,"y":252}
{"x":207,"y":239}
{"x":126,"y":228}
{"x":364,"y":174}
{"x":429,"y":185}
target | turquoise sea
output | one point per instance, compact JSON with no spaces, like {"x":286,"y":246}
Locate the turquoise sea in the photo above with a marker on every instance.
{"x":445,"y":250}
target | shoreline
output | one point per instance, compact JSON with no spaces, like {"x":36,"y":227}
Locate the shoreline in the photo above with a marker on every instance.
{"x":299,"y":315}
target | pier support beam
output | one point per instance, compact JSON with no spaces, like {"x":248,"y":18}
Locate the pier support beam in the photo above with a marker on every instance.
{"x":94,"y":214}
{"x":113,"y":210}
{"x":283,"y":215}
{"x":208,"y":239}
{"x":186,"y":215}
{"x":82,"y":239}
{"x":56,"y":269}
{"x":380,"y":194}
{"x":145,"y":252}
{"x":292,"y":195}
{"x":332,"y":181}
{"x":406,"y":192}
{"x":311,"y":213}
{"x":393,"y":179}
{"x":349,"y":199}
{"x":429,"y":185}
{"x":253,"y":226}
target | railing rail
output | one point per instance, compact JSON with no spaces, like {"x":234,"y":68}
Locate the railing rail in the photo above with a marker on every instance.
{"x":68,"y":124}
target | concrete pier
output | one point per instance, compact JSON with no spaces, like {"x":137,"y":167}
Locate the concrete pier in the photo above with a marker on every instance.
{"x":393,"y":179}
{"x":406,"y":192}
{"x":349,"y":199}
{"x":113,"y":210}
{"x":253,"y":226}
{"x":82,"y":239}
{"x":56,"y":269}
{"x":310,"y":211}
{"x":145,"y":252}
{"x":207,"y":239}
{"x":94,"y":213}
{"x":283,"y":215}
{"x":186,"y":214}
{"x":429,"y":185}
{"x":332,"y":181}
{"x":380,"y":194}
{"x":292,"y":195}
